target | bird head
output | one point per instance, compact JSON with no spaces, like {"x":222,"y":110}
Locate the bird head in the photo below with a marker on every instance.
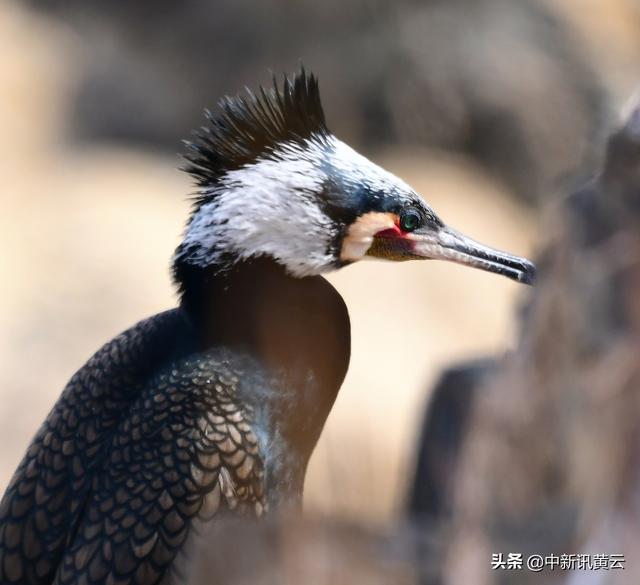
{"x":274,"y":181}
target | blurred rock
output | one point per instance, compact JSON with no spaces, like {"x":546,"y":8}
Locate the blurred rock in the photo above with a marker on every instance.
{"x":498,"y":81}
{"x":443,"y":433}
{"x":551,"y":463}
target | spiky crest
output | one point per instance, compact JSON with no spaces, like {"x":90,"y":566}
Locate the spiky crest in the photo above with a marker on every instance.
{"x":251,"y":126}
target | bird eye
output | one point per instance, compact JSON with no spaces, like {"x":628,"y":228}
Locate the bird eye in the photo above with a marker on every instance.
{"x":410,"y":220}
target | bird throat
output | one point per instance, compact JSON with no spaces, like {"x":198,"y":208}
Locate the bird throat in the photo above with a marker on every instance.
{"x":297,"y":329}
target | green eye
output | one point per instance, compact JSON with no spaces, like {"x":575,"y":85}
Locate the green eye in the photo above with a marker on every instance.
{"x":410,"y":220}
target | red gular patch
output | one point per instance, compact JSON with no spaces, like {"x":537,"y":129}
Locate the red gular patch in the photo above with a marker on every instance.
{"x":392,"y":243}
{"x":391,"y":233}
{"x":377,"y":234}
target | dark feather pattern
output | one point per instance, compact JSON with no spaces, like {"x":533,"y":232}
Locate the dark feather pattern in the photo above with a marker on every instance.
{"x":147,"y":439}
{"x":253,"y":125}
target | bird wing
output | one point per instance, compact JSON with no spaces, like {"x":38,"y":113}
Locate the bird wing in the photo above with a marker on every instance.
{"x":129,"y":455}
{"x":186,"y":452}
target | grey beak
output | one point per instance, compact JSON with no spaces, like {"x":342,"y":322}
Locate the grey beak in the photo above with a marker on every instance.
{"x":447,"y":244}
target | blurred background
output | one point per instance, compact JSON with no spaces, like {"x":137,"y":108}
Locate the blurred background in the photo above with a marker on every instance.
{"x":489,"y":108}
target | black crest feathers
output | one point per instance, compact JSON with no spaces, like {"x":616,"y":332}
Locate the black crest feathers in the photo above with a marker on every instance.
{"x":253,"y":125}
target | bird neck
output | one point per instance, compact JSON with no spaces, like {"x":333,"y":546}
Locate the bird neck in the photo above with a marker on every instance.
{"x":296,"y":328}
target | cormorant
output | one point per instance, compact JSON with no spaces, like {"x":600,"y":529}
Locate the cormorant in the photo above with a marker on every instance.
{"x":216,"y":405}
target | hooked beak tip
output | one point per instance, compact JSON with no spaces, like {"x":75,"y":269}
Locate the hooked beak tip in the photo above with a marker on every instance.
{"x":529,"y":274}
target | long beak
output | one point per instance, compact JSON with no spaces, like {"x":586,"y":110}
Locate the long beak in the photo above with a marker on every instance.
{"x":447,"y":244}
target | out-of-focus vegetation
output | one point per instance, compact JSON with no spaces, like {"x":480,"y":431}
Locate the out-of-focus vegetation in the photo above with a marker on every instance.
{"x":481,"y":105}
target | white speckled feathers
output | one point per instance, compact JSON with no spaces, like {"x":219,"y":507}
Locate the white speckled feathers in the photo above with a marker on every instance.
{"x":272,"y":179}
{"x":271,"y":207}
